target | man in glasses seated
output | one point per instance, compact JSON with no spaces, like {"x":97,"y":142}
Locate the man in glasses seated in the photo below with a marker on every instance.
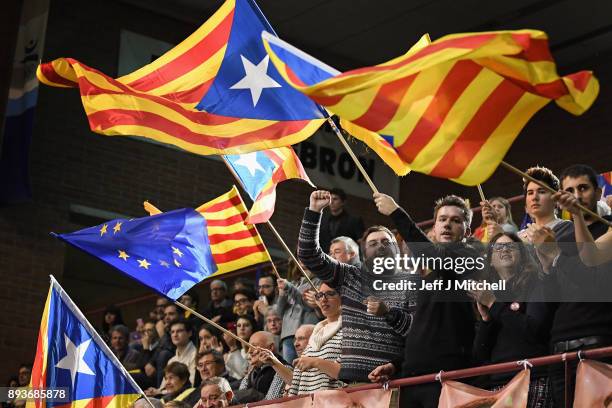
{"x":374,"y":322}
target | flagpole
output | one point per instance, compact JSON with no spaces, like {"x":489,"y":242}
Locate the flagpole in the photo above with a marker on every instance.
{"x":350,"y":152}
{"x":212,"y":323}
{"x":553,"y":191}
{"x":96,"y":337}
{"x":482,"y":196}
{"x":276,"y":234}
{"x":291,"y":255}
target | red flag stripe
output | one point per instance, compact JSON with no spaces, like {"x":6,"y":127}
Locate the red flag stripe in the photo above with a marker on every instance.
{"x":453,"y":85}
{"x":237,"y":253}
{"x":193,"y":95}
{"x":327,"y":101}
{"x":551,"y":90}
{"x":468,"y":42}
{"x":222,"y":205}
{"x":219,"y":238}
{"x":89,"y":89}
{"x":385,"y":104}
{"x":189,"y":60}
{"x":535,"y":49}
{"x":488,"y":117}
{"x":109,"y":118}
{"x":234,"y":219}
{"x":49,"y":72}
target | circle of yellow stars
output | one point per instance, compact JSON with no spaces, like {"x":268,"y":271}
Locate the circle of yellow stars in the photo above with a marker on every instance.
{"x":142,"y":263}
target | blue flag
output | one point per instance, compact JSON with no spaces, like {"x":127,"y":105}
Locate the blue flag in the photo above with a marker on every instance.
{"x":247,"y":84}
{"x":72,"y":358}
{"x":168,"y":252}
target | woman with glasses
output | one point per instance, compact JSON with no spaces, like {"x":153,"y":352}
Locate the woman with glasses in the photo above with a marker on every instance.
{"x":319,"y":365}
{"x":515,"y":323}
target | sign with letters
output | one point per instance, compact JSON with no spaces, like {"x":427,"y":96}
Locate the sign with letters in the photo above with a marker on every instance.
{"x":329,"y":165}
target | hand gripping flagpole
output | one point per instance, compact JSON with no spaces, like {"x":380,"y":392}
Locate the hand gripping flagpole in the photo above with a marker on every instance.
{"x":276,"y":234}
{"x":96,"y":337}
{"x":553,"y":191}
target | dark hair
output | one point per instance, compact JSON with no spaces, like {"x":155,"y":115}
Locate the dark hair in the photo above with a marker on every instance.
{"x":528,"y":270}
{"x":454,"y":201}
{"x":268,"y":275}
{"x":578,"y":170}
{"x":246,"y":292}
{"x":216,"y":355}
{"x":178,"y":309}
{"x":211,"y":329}
{"x":25,"y":365}
{"x":178,"y":369}
{"x":121,"y":328}
{"x":251,"y":320}
{"x":246,"y":282}
{"x":339,"y":192}
{"x":375,"y":228}
{"x":181,"y":320}
{"x":542,"y":174}
{"x":193,"y":295}
{"x":112,"y":309}
{"x":151,"y":321}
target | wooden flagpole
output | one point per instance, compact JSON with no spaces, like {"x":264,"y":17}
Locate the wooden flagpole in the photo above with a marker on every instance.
{"x":482,"y":196}
{"x":223,"y":329}
{"x":553,"y":191}
{"x":350,"y":152}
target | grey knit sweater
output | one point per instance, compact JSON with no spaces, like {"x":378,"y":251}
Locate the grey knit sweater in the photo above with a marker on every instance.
{"x":368,"y":341}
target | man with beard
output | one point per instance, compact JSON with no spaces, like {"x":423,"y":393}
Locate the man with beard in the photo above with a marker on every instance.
{"x":373,"y":331}
{"x":442,"y":333}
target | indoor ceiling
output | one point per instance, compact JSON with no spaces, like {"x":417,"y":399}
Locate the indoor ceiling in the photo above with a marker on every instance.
{"x":352,"y":33}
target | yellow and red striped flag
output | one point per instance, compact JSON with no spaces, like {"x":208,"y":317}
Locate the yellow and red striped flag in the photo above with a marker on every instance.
{"x":234,"y":245}
{"x":449,"y":108}
{"x":214,"y":93}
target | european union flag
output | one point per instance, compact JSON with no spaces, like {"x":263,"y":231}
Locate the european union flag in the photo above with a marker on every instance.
{"x":72,"y":356}
{"x":247,"y":85}
{"x":169,"y":252}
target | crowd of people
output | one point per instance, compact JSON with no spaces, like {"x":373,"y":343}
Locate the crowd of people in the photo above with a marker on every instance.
{"x":333,"y":328}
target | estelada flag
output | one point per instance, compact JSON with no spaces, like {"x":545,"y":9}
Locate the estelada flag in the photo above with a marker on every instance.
{"x":214,"y":93}
{"x":260,"y":172}
{"x":71,"y":356}
{"x":449,"y":108}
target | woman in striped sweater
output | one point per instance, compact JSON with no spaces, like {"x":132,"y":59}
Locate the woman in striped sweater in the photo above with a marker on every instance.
{"x":319,"y":365}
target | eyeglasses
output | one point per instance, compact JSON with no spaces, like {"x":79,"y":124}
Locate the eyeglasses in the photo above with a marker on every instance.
{"x":508,"y":246}
{"x":320,"y":295}
{"x":241,"y":301}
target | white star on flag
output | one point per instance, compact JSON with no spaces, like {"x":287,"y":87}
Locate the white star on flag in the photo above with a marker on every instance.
{"x":256,"y":78}
{"x":74,"y":358}
{"x":249,"y":160}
